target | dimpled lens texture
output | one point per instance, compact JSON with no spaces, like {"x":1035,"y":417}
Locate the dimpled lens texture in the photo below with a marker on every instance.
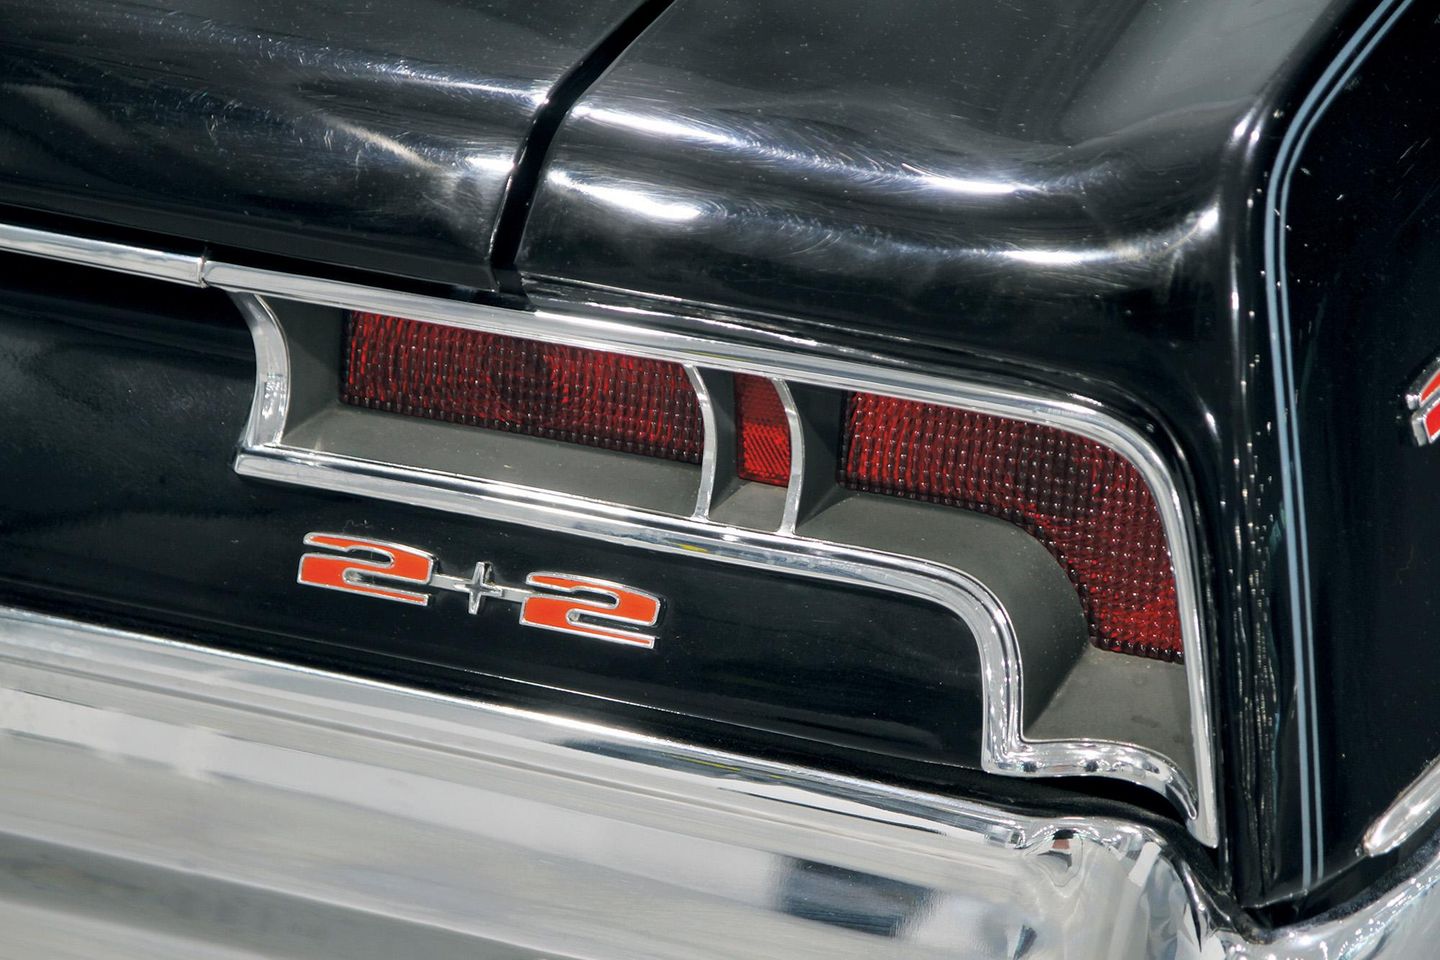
{"x":1085,"y":502}
{"x":762,"y":450}
{"x":646,"y":407}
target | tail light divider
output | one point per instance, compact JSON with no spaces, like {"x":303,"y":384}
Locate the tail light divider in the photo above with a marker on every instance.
{"x":717,"y":451}
{"x":1004,"y":748}
{"x":601,"y":328}
{"x":795,"y":489}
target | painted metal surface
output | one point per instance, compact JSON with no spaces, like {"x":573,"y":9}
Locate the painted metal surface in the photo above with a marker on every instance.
{"x":1073,"y":197}
{"x":379,"y":136}
{"x":1355,"y":248}
{"x":1086,"y":196}
{"x":340,"y":815}
{"x":339,"y":818}
{"x":979,"y":593}
{"x":1045,"y":189}
{"x":138,"y":515}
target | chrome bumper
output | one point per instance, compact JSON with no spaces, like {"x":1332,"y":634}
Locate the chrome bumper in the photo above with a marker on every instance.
{"x":159,"y":800}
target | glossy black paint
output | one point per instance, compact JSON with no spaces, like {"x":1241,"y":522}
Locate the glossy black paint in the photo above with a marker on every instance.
{"x":1073,"y":194}
{"x":381,"y":136}
{"x":1363,"y":276}
{"x":134,"y":503}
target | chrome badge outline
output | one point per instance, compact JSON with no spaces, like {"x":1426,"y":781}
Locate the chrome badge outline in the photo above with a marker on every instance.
{"x":567,"y":603}
{"x":264,"y":454}
{"x":1005,"y":750}
{"x":1423,"y":398}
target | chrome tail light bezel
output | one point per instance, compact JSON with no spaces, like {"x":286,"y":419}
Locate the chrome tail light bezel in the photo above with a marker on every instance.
{"x":787,"y":360}
{"x":265,"y":454}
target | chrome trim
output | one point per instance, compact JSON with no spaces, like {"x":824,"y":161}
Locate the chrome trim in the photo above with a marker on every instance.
{"x":121,"y":257}
{"x":271,"y":405}
{"x":1422,"y":408}
{"x":605,"y":621}
{"x":379,"y":586}
{"x":479,"y":587}
{"x":1416,"y":806}
{"x":1004,"y":748}
{"x":1413,"y":397}
{"x":420,"y":817}
{"x":796,"y":487}
{"x":169,"y":800}
{"x":710,"y":445}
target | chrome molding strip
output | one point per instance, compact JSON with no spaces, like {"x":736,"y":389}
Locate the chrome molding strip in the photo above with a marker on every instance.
{"x":710,"y":447}
{"x":795,"y":489}
{"x":420,"y":817}
{"x":340,"y":817}
{"x":1004,"y":750}
{"x":1416,"y":806}
{"x":121,"y":257}
{"x":271,"y":405}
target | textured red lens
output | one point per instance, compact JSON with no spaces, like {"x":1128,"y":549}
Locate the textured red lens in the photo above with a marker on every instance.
{"x":762,"y":446}
{"x":1085,"y":502}
{"x":592,"y":397}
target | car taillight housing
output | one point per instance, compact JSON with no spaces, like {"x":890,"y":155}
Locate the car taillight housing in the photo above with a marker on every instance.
{"x":592,"y":397}
{"x":1084,"y":501}
{"x":762,"y":432}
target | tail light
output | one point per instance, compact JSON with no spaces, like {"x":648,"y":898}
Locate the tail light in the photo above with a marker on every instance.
{"x":592,"y":397}
{"x":762,"y":432}
{"x":1085,"y":502}
{"x":1087,"y":547}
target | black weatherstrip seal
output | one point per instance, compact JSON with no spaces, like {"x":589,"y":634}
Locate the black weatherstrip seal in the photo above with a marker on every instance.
{"x":520,"y":192}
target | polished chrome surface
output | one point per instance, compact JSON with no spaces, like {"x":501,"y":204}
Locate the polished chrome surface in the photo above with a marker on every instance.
{"x":1415,"y":807}
{"x":1004,"y":748}
{"x":1400,"y":921}
{"x":1422,"y":404}
{"x":795,"y":488}
{"x":231,"y":807}
{"x":710,"y":446}
{"x":271,"y":406}
{"x":159,"y":264}
{"x":309,"y":802}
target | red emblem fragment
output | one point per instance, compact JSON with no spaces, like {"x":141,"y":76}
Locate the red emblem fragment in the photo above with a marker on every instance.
{"x":1424,"y":399}
{"x":560,"y":602}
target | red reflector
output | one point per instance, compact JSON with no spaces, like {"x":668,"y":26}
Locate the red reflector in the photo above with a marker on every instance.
{"x":592,"y":397}
{"x":762,"y":432}
{"x":1085,"y":502}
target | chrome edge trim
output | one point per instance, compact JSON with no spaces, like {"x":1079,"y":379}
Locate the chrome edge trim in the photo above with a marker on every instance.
{"x":325,"y":803}
{"x":271,"y":405}
{"x":710,"y":447}
{"x":1413,"y":398}
{"x":1416,"y":806}
{"x":122,"y":257}
{"x":509,"y":829}
{"x":1005,"y":750}
{"x":795,"y":489}
{"x":1421,"y":407}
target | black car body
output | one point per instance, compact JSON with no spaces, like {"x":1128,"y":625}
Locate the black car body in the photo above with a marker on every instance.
{"x":1187,"y":247}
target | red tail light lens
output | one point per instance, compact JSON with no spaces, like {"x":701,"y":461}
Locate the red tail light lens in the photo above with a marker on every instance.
{"x":1085,"y":502}
{"x":592,"y":397}
{"x":762,"y":432}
